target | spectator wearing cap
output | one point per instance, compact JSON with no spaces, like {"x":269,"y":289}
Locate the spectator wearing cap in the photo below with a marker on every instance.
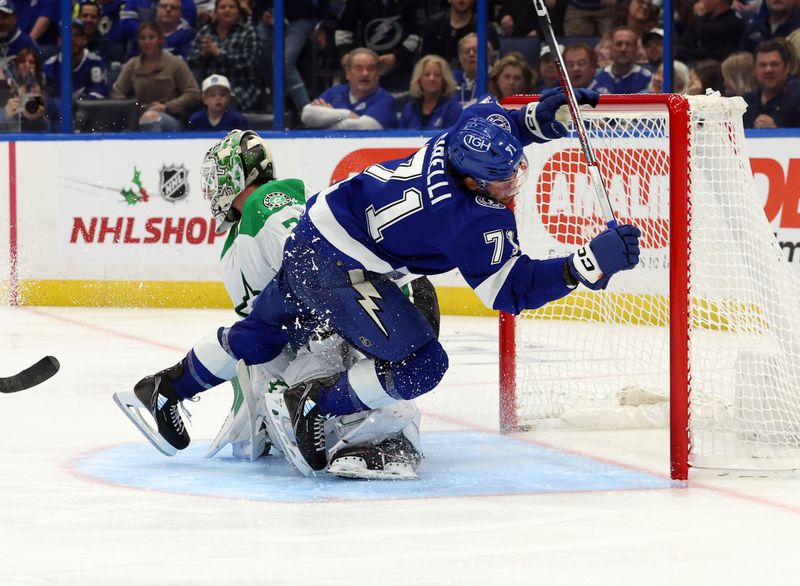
{"x":779,"y":19}
{"x":161,"y":82}
{"x":89,"y":71}
{"x":775,"y":104}
{"x":581,"y":63}
{"x":359,"y":104}
{"x":713,"y":33}
{"x":218,"y":114}
{"x":624,"y":75}
{"x":548,"y":73}
{"x":12,"y":39}
{"x":653,"y":42}
{"x":98,"y":43}
{"x":511,"y":75}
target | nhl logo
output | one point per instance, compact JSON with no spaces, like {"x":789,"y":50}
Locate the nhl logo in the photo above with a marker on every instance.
{"x":173,"y":182}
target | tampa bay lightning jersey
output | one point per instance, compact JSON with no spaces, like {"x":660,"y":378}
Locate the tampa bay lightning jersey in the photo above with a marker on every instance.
{"x":412,"y":216}
{"x":379,"y":104}
{"x":635,"y":81}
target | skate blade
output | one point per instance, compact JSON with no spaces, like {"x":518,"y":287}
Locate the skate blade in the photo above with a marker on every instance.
{"x":280,"y":426}
{"x":356,"y":469}
{"x":132,"y":407}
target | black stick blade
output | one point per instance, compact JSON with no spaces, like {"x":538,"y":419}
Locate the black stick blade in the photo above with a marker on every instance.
{"x":30,"y":377}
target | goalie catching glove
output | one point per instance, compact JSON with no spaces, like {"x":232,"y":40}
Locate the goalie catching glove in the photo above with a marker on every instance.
{"x":540,"y":117}
{"x":616,"y":249}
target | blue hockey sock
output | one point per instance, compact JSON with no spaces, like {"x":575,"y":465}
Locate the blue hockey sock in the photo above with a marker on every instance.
{"x":194,"y":379}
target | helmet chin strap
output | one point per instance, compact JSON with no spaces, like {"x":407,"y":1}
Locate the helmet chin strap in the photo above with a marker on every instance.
{"x":482,"y":186}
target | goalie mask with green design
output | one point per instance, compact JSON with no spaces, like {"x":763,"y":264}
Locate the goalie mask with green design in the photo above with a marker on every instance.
{"x":229,"y":166}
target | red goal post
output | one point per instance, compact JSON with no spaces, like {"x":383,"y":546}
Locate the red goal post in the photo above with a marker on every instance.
{"x":704,"y":335}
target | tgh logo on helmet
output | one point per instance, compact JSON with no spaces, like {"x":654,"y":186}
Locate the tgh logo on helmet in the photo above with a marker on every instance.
{"x":477,"y":143}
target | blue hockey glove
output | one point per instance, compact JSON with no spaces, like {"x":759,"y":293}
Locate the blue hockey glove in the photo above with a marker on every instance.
{"x":608,"y":253}
{"x":540,"y":117}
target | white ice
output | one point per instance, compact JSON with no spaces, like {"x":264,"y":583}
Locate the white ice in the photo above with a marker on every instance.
{"x":58,"y":526}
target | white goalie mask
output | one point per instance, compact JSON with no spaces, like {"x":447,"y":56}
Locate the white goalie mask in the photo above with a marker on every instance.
{"x":228,"y":168}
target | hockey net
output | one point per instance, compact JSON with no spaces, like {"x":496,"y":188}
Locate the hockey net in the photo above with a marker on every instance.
{"x":703,"y":335}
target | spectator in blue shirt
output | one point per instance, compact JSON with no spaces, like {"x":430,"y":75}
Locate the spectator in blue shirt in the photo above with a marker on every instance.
{"x":12,"y":39}
{"x":623,"y":76}
{"x":98,"y":42}
{"x":359,"y":104}
{"x":89,"y":71}
{"x":39,"y":18}
{"x":178,"y":35}
{"x":432,"y":104}
{"x":776,"y":103}
{"x":218,"y":114}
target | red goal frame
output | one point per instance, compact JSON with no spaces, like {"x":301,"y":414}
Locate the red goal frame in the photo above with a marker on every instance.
{"x":677,"y":110}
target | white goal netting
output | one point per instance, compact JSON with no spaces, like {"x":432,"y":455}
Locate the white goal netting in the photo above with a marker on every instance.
{"x":603,"y":359}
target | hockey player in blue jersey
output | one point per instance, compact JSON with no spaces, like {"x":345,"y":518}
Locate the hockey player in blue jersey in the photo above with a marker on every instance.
{"x":442,"y":208}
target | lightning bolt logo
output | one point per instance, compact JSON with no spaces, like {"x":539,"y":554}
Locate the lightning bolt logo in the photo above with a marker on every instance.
{"x":368,"y":296}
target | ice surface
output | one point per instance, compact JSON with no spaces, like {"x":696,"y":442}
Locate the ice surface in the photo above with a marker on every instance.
{"x":85,"y":500}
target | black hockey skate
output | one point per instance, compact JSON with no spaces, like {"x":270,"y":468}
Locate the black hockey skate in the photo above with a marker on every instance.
{"x":308,"y":423}
{"x":395,"y":458}
{"x":157,"y":395}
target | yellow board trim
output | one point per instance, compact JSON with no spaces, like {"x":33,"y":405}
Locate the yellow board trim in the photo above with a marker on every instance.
{"x":626,"y":308}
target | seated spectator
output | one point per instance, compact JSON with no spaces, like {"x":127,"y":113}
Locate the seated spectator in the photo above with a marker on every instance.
{"x":228,"y":45}
{"x":680,"y":78}
{"x":773,"y":104}
{"x":359,"y":104}
{"x":588,"y":18}
{"x":779,"y":19}
{"x":39,"y":18}
{"x":443,"y":32}
{"x":218,"y":114}
{"x":548,"y":72}
{"x":518,"y":18}
{"x":581,"y":63}
{"x":27,"y":65}
{"x":511,"y":75}
{"x":391,"y":29}
{"x":794,"y":40}
{"x":623,"y":76}
{"x":705,"y":75}
{"x":119,"y":23}
{"x":640,"y":16}
{"x":89,"y":71}
{"x":713,"y":33}
{"x":99,"y":43}
{"x":432,"y":104}
{"x":653,"y":43}
{"x":26,"y":109}
{"x":160,"y":81}
{"x":738,"y":75}
{"x":12,"y":39}
{"x":147,"y":10}
{"x":466,"y":77}
{"x":178,"y":34}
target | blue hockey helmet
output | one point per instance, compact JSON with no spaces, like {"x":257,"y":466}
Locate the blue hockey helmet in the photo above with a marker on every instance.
{"x":484,"y":151}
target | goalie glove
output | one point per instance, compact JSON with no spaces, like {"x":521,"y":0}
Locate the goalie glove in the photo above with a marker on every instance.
{"x":540,"y":117}
{"x":608,"y":253}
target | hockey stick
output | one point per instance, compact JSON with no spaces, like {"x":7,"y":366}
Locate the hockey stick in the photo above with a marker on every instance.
{"x":575,"y":112}
{"x":31,"y":376}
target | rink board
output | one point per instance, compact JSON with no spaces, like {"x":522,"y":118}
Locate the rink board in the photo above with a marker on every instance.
{"x":457,"y":464}
{"x":121,"y":221}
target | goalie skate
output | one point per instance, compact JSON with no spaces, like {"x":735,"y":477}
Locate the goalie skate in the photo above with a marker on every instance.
{"x":392,"y":459}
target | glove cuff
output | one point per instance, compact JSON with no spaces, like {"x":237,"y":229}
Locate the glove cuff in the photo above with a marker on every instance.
{"x":586,"y":266}
{"x":532,"y":123}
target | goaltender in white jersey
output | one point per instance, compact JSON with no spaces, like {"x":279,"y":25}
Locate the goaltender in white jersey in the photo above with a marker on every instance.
{"x":260,"y":211}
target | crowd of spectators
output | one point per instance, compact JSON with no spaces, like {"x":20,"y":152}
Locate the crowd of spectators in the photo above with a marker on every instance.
{"x":366,"y":64}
